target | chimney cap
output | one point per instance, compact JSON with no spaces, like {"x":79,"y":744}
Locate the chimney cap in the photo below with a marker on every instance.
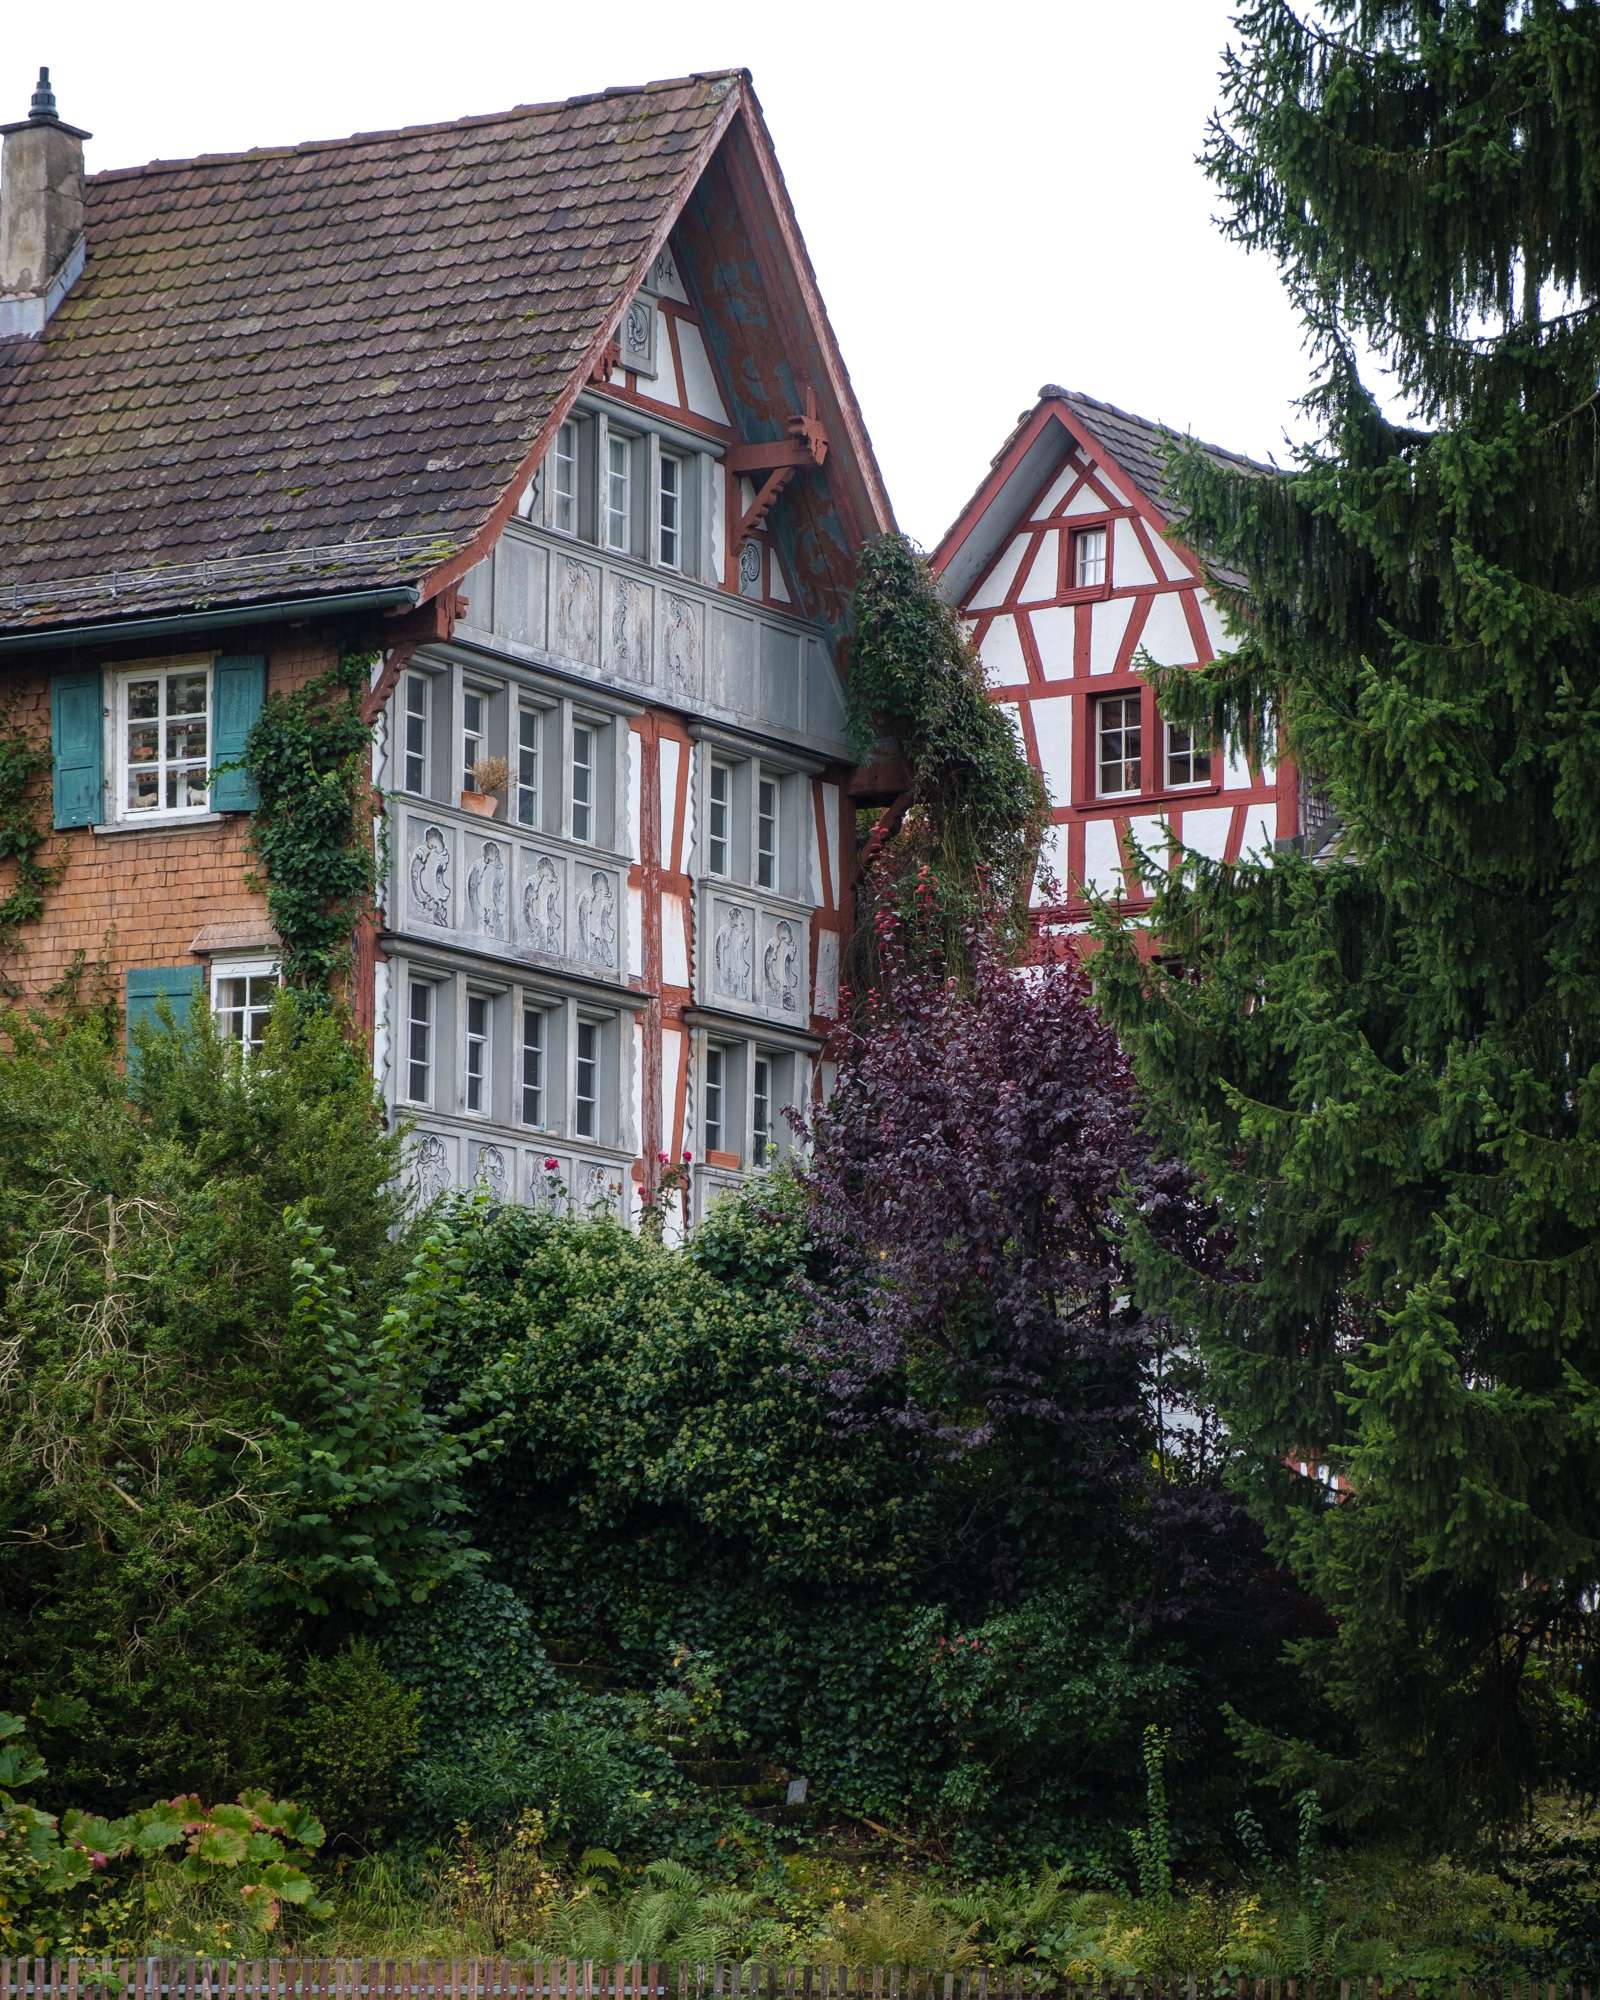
{"x":42,"y":110}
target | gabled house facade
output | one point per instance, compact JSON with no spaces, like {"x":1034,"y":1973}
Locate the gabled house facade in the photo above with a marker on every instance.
{"x":1067,"y":564}
{"x":544,"y":411}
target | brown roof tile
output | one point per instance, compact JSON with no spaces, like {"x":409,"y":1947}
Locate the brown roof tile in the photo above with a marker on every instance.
{"x":289,"y":354}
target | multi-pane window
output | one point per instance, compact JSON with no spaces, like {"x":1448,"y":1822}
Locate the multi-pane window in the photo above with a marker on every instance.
{"x":766,"y":832}
{"x":584,"y":746}
{"x":164,"y":736}
{"x":619,"y":491}
{"x":1119,"y":739}
{"x":474,"y":725}
{"x":714,"y":1120}
{"x":242,"y":994}
{"x":761,"y":1107}
{"x":1187,"y":762}
{"x":479,"y":1016}
{"x":1089,"y":558}
{"x":419,"y":1043}
{"x":417,"y":718}
{"x":586,"y":1082}
{"x":719,"y":819}
{"x":530,"y":723}
{"x":535,"y":1051}
{"x":669,"y":511}
{"x":564,"y":479}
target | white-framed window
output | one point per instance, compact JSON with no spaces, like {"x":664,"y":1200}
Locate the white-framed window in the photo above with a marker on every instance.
{"x":761,"y":1132}
{"x":1089,"y":558}
{"x":1119,"y":745}
{"x":242,"y":993}
{"x":419,"y":1041}
{"x":564,"y":479}
{"x":162,"y":751}
{"x":585,"y":758}
{"x":418,"y":717}
{"x":619,"y":492}
{"x":767,"y":800}
{"x":669,"y":510}
{"x":719,"y":818}
{"x":479,"y":1041}
{"x":534,"y":1064}
{"x":1187,"y":762}
{"x":714,"y":1110}
{"x":586,"y":1081}
{"x":529,"y":768}
{"x":474,"y":733}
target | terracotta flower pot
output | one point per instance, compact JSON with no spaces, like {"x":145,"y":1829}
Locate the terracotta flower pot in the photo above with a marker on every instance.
{"x":484,"y":804}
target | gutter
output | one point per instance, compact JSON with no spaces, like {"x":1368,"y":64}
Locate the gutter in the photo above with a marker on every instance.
{"x":397,"y":597}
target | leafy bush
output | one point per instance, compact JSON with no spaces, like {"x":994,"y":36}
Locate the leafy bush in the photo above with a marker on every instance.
{"x":355,"y":1731}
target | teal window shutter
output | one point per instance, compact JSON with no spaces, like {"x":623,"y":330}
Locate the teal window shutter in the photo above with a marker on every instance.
{"x":148,"y":985}
{"x":238,"y":688}
{"x":77,"y":739}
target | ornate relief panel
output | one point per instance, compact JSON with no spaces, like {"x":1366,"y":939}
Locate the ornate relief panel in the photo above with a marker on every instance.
{"x":753,"y":958}
{"x":544,"y":1175}
{"x":575,"y":611}
{"x":628,"y":633}
{"x":682,"y":647}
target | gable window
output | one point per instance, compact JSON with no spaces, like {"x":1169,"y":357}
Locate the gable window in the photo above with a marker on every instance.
{"x":419,"y":691}
{"x":619,"y":491}
{"x":530,"y":748}
{"x":242,"y":993}
{"x":419,"y":1042}
{"x":669,"y":511}
{"x":1187,"y":762}
{"x":564,"y":479}
{"x":163,"y":741}
{"x":479,"y":1019}
{"x":1119,"y":738}
{"x":719,"y":818}
{"x":1089,"y":559}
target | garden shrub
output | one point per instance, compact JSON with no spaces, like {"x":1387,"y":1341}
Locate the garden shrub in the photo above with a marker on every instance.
{"x":355,"y":1731}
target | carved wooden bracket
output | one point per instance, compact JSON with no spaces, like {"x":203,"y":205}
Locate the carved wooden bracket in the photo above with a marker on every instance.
{"x":610,"y":357}
{"x":780,"y":459}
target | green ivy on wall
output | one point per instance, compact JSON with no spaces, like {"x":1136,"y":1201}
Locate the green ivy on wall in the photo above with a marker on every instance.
{"x":24,"y":829}
{"x":309,"y":754}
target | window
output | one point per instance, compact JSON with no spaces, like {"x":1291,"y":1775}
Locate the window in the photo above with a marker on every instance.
{"x":164,"y":741}
{"x":530,"y":723}
{"x":474,"y":722}
{"x":586,"y":1082}
{"x":419,"y":1043}
{"x":619,"y":491}
{"x":1187,"y":764}
{"x":766,"y":832}
{"x":479,"y":1016}
{"x":417,"y":716}
{"x":669,"y":511}
{"x":564,"y":479}
{"x":242,"y":993}
{"x":714,"y":1120}
{"x":719,"y":818}
{"x":1119,"y":736}
{"x":584,"y":745}
{"x":1089,"y":559}
{"x":761,"y":1108}
{"x":535,"y":1040}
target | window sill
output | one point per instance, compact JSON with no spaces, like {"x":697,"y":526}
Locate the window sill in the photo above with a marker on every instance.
{"x":1139,"y":801}
{"x":176,"y":823}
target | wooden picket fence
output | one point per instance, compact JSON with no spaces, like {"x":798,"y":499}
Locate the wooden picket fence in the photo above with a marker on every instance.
{"x":506,"y":1979}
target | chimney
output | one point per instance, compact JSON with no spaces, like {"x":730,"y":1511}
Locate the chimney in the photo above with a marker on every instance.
{"x":41,"y":214}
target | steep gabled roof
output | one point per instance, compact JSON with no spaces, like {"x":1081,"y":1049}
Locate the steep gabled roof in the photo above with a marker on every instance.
{"x":328,"y":367}
{"x":1137,"y":445}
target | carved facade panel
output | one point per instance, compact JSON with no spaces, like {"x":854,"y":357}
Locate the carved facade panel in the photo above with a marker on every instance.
{"x":629,"y":610}
{"x":541,"y":903}
{"x":782,"y":972}
{"x":637,"y":337}
{"x":575,"y":614}
{"x":732,"y":954}
{"x":682,"y":647}
{"x":428,"y":857}
{"x":432,"y":1166}
{"x":753,"y":958}
{"x":488,"y":889}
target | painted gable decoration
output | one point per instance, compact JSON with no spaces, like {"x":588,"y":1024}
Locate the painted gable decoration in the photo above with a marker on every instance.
{"x":1068,"y":573}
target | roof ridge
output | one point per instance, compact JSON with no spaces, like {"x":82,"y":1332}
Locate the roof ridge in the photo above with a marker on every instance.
{"x":1054,"y":390}
{"x":466,"y":123}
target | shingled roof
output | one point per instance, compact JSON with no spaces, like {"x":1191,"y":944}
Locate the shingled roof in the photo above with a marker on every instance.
{"x":321,"y":367}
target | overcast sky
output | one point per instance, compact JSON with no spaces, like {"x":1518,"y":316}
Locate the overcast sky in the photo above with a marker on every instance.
{"x":994,"y":197}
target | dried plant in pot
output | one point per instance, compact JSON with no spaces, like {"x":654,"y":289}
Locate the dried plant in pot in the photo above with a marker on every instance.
{"x":490,"y":775}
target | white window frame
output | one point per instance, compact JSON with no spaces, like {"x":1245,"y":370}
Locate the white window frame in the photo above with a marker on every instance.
{"x":564,"y":454}
{"x":534,"y":1009}
{"x":1102,"y":709}
{"x":483,"y":1046}
{"x":714,"y":1121}
{"x":1096,"y":535}
{"x":539,"y":715}
{"x":588,"y":1026}
{"x":246,"y":969}
{"x":416,"y":761}
{"x":120,"y":764}
{"x":671,"y":496}
{"x":768,"y":853}
{"x":1192,"y":750}
{"x":594,"y":729}
{"x":471,"y":691}
{"x":428,"y":1021}
{"x":719,"y":819}
{"x":618,"y":474}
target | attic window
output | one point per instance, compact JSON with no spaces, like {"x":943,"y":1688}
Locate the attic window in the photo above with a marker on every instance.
{"x":1089,"y":559}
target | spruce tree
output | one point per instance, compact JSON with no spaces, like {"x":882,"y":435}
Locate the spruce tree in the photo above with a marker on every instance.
{"x":1384,"y":1069}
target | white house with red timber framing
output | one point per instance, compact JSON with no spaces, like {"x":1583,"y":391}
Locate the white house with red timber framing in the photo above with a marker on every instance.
{"x":1066,"y":567}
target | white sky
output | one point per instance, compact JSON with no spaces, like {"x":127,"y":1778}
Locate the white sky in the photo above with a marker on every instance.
{"x":994,"y":197}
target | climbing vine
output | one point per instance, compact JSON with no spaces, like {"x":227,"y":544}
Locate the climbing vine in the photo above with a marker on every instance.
{"x":966,"y":831}
{"x":308,"y":753}
{"x":24,"y":830}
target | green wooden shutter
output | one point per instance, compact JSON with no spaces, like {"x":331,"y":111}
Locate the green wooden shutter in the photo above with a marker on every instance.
{"x":147,"y":987}
{"x":238,"y":688}
{"x":77,"y":737}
